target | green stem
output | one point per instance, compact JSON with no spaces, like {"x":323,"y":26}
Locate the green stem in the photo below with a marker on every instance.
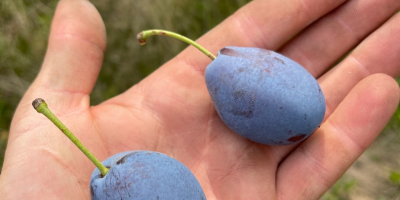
{"x":41,"y":107}
{"x":142,"y":38}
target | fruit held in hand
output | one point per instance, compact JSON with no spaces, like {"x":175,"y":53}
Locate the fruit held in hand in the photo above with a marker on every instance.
{"x":260,"y":94}
{"x":264,"y":96}
{"x":144,"y":175}
{"x":134,"y":174}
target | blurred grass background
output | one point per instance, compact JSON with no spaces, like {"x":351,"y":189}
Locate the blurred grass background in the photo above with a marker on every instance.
{"x":24,"y":29}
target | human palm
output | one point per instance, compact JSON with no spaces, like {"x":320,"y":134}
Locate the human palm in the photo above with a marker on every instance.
{"x":171,"y":112}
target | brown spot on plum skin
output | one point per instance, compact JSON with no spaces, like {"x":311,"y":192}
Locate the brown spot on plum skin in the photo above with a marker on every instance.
{"x":91,"y":191}
{"x":246,"y":114}
{"x":297,"y":138}
{"x":238,"y":94}
{"x":123,"y":159}
{"x":243,"y":96}
{"x":214,"y":91}
{"x":230,"y":52}
{"x":280,"y":60}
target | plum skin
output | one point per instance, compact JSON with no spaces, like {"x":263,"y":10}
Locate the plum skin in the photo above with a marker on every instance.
{"x":264,"y":96}
{"x":145,"y":175}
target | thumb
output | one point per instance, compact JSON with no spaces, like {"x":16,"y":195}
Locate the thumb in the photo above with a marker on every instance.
{"x":72,"y":63}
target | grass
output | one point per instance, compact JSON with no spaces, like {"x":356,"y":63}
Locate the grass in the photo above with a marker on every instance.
{"x":341,"y":190}
{"x":395,"y":178}
{"x":25,"y":26}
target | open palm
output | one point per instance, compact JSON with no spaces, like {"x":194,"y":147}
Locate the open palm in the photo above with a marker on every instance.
{"x":171,"y":112}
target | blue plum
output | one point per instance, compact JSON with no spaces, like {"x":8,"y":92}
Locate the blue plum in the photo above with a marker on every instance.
{"x":264,"y":96}
{"x":145,"y":175}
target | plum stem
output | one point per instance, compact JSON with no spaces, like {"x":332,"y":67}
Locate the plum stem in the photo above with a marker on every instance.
{"x":142,"y":38}
{"x":41,"y":107}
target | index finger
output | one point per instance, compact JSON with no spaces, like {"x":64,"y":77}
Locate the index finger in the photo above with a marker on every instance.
{"x":264,"y":24}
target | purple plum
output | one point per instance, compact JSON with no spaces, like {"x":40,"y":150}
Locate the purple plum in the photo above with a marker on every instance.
{"x":145,"y":175}
{"x":264,"y":96}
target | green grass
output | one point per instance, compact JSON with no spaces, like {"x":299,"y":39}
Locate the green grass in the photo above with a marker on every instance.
{"x":3,"y":144}
{"x":25,"y":25}
{"x":395,"y":178}
{"x":341,"y":190}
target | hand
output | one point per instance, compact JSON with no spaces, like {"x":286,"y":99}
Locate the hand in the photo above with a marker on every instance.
{"x":171,"y":111}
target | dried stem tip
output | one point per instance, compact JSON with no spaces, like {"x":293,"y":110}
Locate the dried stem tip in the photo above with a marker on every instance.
{"x":37,"y":102}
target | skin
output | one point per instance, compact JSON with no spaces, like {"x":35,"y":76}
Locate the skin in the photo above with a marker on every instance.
{"x":170,"y":111}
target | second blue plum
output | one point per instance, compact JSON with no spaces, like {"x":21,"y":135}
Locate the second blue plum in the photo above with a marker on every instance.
{"x":264,"y":96}
{"x":145,"y":175}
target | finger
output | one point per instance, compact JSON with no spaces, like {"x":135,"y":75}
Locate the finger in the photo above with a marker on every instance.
{"x":317,"y":163}
{"x":74,"y":55}
{"x":320,"y":45}
{"x":264,"y":24}
{"x":71,"y":65}
{"x":379,"y":53}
